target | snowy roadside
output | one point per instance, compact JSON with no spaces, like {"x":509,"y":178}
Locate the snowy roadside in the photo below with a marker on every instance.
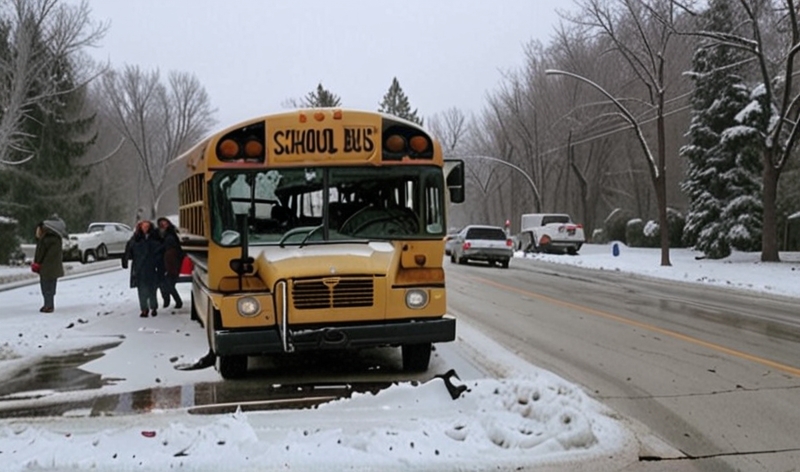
{"x":530,"y":419}
{"x":18,"y":276}
{"x":526,"y":418}
{"x":740,"y":271}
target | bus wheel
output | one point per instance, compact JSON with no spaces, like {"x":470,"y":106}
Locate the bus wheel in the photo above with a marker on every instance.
{"x":232,"y":367}
{"x":416,"y":357}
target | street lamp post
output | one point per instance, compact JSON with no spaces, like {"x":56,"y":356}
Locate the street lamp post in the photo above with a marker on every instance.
{"x":515,"y":167}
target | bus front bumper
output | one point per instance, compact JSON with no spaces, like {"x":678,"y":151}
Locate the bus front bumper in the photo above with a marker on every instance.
{"x":268,"y":341}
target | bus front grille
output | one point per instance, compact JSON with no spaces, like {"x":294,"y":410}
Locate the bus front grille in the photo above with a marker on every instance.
{"x":332,"y":292}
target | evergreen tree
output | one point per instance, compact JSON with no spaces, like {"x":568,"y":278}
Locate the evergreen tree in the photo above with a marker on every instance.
{"x":723,"y":163}
{"x":321,"y":97}
{"x":396,"y":103}
{"x":51,"y":182}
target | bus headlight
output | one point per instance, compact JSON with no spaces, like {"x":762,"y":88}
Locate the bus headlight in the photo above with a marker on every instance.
{"x":248,"y":306}
{"x":416,"y":299}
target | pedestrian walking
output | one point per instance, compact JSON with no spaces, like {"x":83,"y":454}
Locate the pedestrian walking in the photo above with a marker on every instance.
{"x":48,"y":258}
{"x":173,"y":258}
{"x":146,"y":252}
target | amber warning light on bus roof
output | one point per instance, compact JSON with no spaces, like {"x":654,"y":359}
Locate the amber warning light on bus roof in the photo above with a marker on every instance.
{"x":402,"y":141}
{"x":243,"y":145}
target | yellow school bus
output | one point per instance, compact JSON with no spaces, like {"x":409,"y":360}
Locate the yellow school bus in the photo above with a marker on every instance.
{"x":318,"y":229}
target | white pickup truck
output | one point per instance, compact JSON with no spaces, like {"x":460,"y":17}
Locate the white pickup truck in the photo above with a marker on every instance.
{"x":550,"y":232}
{"x":101,"y":240}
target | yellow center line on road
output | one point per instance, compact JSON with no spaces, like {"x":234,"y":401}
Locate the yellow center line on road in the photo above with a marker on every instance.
{"x":666,"y":332}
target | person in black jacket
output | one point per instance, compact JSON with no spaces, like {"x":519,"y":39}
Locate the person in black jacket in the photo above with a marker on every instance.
{"x":146,"y":254}
{"x":173,"y":258}
{"x":47,"y":260}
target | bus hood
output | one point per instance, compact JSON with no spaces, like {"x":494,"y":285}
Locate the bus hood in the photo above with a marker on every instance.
{"x":322,"y":260}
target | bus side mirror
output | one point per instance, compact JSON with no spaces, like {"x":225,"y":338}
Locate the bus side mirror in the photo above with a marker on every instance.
{"x":454,"y":170}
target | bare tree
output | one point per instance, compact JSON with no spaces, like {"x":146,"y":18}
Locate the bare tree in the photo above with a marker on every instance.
{"x":640,"y":32}
{"x":519,"y":120}
{"x":450,"y":128}
{"x":586,"y":125}
{"x":774,"y":114}
{"x":39,"y":34}
{"x":157,"y":120}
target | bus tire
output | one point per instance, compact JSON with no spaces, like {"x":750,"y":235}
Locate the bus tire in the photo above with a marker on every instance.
{"x":232,"y":367}
{"x":416,"y":357}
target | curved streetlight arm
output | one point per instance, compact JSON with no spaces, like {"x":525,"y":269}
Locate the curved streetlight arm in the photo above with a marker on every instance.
{"x":625,"y":113}
{"x":517,"y":168}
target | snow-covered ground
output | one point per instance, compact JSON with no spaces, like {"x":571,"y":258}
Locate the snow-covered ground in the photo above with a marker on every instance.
{"x":743,"y":271}
{"x":527,"y":418}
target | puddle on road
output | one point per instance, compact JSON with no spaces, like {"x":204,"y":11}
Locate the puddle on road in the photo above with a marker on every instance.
{"x":205,"y":398}
{"x":273,"y":383}
{"x":35,"y":384}
{"x":58,"y":374}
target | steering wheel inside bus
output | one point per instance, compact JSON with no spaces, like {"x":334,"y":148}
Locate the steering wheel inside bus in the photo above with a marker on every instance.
{"x":402,"y":220}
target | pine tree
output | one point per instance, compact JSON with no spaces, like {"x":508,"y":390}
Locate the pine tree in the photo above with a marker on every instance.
{"x":396,"y":103}
{"x":723,"y":163}
{"x":321,"y":97}
{"x":51,"y":182}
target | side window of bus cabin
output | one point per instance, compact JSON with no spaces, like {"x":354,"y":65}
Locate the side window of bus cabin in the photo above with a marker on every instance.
{"x":434,"y":206}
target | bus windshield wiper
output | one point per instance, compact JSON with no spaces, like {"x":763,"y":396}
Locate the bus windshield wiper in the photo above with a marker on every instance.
{"x":313,"y":230}
{"x":306,"y":241}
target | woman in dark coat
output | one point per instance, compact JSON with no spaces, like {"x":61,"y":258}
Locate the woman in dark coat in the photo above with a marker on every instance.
{"x":47,"y":260}
{"x":173,"y":257}
{"x":146,"y":254}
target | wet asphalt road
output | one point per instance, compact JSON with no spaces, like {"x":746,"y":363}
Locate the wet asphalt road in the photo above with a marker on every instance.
{"x":714,"y":373}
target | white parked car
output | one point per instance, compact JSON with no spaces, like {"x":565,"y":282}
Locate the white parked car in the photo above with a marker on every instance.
{"x":101,"y":240}
{"x":550,"y":232}
{"x":449,"y":242}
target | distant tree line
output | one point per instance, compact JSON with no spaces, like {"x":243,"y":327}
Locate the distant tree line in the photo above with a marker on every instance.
{"x":395,"y":102}
{"x":656,"y":113}
{"x":636,"y":115}
{"x":80,"y":139}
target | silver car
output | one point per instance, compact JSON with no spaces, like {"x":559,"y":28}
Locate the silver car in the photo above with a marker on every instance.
{"x":449,"y":243}
{"x":482,"y":243}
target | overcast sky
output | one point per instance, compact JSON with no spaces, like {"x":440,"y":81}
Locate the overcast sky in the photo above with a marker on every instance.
{"x":253,"y":55}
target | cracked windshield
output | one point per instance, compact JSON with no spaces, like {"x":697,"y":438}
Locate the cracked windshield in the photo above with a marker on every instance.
{"x":308,"y":205}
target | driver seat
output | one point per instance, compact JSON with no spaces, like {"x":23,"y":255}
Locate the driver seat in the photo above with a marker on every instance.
{"x":282,"y":215}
